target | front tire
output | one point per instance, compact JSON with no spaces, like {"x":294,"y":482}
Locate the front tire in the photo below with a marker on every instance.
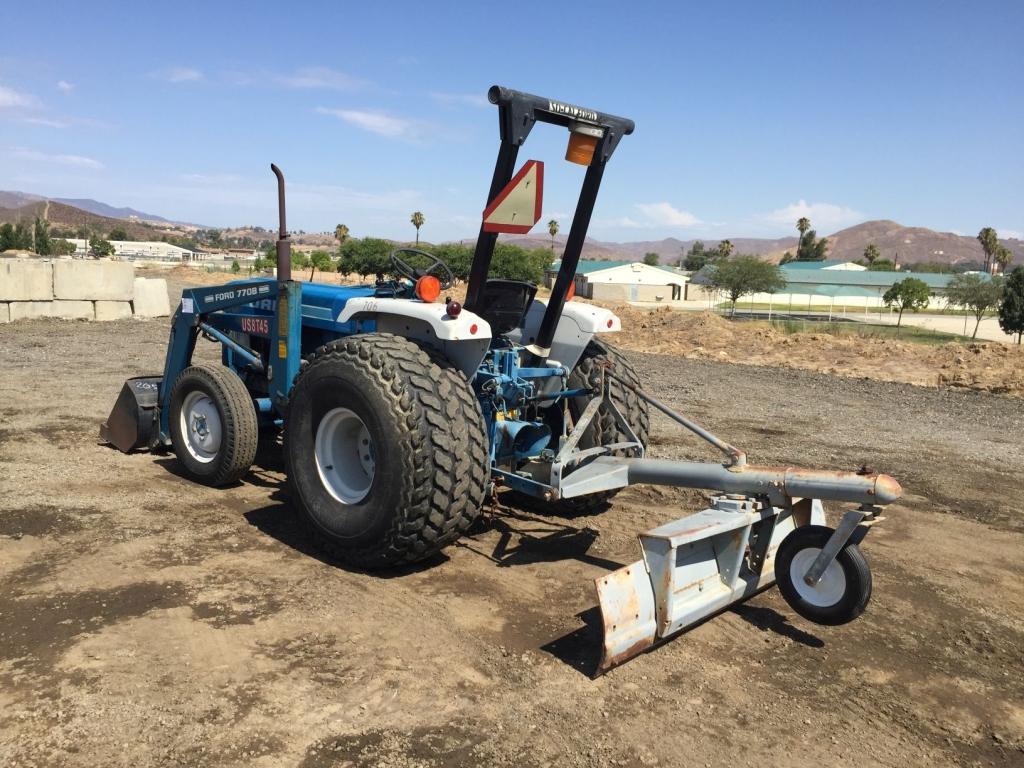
{"x":386,"y":450}
{"x":844,"y":590}
{"x":214,"y":429}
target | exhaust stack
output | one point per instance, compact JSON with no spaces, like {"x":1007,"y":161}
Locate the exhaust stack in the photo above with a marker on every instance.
{"x":284,"y":245}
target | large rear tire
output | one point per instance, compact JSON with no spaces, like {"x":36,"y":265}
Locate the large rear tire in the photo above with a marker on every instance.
{"x":214,"y":429}
{"x":386,"y":450}
{"x":604,"y":429}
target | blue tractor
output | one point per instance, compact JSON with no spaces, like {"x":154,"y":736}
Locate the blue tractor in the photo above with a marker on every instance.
{"x":401,"y":412}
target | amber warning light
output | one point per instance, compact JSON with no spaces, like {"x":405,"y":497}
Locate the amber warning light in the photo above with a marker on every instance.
{"x":582,"y":143}
{"x":428,"y":288}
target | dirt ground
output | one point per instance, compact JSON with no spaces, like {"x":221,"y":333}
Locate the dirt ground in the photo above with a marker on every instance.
{"x":985,"y":365}
{"x":145,"y":620}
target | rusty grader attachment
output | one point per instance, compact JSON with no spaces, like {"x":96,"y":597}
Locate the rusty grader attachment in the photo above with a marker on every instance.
{"x":767,"y":526}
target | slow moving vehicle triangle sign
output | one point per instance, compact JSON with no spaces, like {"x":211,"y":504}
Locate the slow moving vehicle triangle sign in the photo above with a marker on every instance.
{"x":518,"y":206}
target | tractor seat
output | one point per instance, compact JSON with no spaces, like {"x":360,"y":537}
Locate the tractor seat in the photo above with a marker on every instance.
{"x":503,"y":303}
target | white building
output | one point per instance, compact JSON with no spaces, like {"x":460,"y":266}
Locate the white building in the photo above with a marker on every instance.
{"x":625,"y":281}
{"x":141,"y":250}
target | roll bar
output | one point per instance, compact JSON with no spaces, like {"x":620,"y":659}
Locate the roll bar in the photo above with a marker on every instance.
{"x":518,"y":112}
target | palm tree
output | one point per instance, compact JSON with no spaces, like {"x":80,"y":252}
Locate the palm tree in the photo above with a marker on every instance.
{"x":418,"y":220}
{"x":803,"y":224}
{"x":1003,"y":256}
{"x":989,"y":243}
{"x":341,"y":233}
{"x":725,"y":249}
{"x":871,"y":254}
{"x":553,"y":230}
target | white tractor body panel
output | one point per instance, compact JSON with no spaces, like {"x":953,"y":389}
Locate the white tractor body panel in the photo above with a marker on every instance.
{"x":463,"y":339}
{"x":576,"y":327}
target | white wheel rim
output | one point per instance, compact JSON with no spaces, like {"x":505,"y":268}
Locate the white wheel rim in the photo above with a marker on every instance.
{"x":344,"y":455}
{"x":825,"y":593}
{"x":201,"y":426}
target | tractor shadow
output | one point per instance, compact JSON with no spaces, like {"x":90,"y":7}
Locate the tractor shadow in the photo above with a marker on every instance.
{"x":526,"y":539}
{"x":581,"y":648}
{"x":770,"y":620}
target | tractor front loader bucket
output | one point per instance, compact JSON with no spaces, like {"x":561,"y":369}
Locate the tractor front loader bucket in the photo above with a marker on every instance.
{"x":691,"y":569}
{"x":134,"y":421}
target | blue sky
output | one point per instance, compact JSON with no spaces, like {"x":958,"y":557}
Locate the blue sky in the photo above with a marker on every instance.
{"x":749,"y":114}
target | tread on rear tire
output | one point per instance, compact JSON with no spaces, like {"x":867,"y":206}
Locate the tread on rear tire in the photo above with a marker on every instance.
{"x":428,"y":440}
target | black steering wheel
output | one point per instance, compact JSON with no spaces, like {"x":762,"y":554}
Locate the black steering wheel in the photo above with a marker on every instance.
{"x":405,"y":269}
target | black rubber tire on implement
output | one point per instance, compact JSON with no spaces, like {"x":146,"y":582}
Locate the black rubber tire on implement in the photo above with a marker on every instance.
{"x":431,"y":460}
{"x":603,"y":429}
{"x":855,"y":570}
{"x":240,"y":427}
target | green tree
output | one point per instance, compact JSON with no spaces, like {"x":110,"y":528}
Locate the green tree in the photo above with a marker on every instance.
{"x":975,"y":293}
{"x":651,"y":259}
{"x":515,"y":263}
{"x":553,"y":230}
{"x":909,"y":293}
{"x":99,"y":247}
{"x":1011,"y":308}
{"x":300,"y":260}
{"x":989,"y":242}
{"x":1002,"y":257}
{"x":320,"y":260}
{"x":341,"y":234}
{"x":118,"y":233}
{"x":802,"y":224}
{"x":871,"y":254}
{"x":696,"y":257}
{"x":786,"y":258}
{"x":418,"y":220}
{"x":41,"y":237}
{"x":744,"y":276}
{"x":7,"y":241}
{"x":725,"y":249}
{"x":236,"y":267}
{"x":61,"y":247}
{"x":457,"y":256}
{"x":882,"y":265}
{"x":22,"y":236}
{"x":811,"y":248}
{"x":366,"y":256}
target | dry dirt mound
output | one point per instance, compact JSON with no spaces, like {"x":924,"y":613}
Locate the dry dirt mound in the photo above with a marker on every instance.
{"x":988,"y":366}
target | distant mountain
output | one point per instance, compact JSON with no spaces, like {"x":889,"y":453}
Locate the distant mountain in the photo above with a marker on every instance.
{"x":69,"y":217}
{"x":669,"y":250}
{"x":895,"y":241}
{"x":102,"y":209}
{"x":20,"y":199}
{"x":911,"y":244}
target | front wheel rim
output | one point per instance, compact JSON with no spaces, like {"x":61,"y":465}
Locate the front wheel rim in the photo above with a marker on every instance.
{"x":345,"y":458}
{"x":201,"y":426}
{"x":828,"y":591}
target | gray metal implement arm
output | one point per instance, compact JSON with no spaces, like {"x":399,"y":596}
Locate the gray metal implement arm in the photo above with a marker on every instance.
{"x":779,"y":484}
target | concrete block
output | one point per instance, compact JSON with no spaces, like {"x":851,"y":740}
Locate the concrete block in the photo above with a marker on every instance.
{"x":113,"y":310}
{"x":5,"y":314}
{"x":29,"y":310}
{"x":72,"y":310}
{"x":151,"y":299}
{"x":25,"y":280}
{"x":93,"y":280}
